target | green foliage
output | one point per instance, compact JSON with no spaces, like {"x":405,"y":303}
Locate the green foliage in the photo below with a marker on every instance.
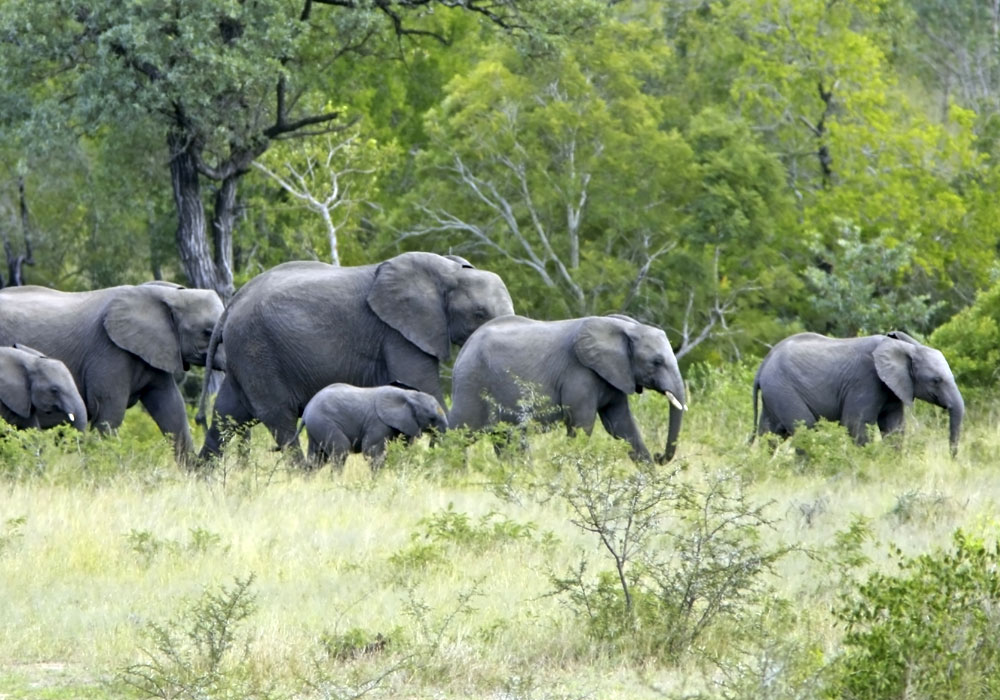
{"x":147,"y":546}
{"x":353,"y":643}
{"x":67,"y":456}
{"x":491,"y":530}
{"x":860,"y":287}
{"x":443,"y":537}
{"x":928,"y":631}
{"x":686,"y":559}
{"x":200,"y":655}
{"x":971,"y":340}
{"x":826,"y":448}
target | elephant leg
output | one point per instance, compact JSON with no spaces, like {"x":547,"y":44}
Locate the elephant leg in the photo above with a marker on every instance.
{"x":781,"y":414}
{"x":890,"y":421}
{"x":617,"y":420}
{"x":229,"y":416}
{"x":857,"y":415}
{"x":334,"y":445}
{"x":579,"y":410}
{"x":373,"y":449}
{"x":284,"y":427}
{"x":163,"y":400}
{"x":107,"y":411}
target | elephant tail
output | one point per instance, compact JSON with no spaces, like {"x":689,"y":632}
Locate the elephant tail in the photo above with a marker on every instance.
{"x":213,"y":345}
{"x":756,"y":390}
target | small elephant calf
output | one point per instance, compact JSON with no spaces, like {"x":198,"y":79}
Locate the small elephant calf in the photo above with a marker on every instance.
{"x":38,"y":391}
{"x":342,"y":419}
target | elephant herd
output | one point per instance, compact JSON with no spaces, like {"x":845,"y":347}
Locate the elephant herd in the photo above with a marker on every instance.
{"x":355,"y":352}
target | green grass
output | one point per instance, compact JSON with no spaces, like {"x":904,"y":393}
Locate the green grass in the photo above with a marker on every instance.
{"x":435,"y":577}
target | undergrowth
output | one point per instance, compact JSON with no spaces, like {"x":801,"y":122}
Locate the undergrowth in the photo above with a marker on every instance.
{"x":802,"y":568}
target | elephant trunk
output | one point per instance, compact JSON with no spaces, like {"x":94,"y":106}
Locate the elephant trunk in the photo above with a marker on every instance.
{"x":78,"y":409}
{"x":955,"y":413}
{"x":677,"y":407}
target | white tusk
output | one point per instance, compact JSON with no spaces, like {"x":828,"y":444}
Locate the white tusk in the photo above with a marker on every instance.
{"x":72,"y":418}
{"x":674,"y":402}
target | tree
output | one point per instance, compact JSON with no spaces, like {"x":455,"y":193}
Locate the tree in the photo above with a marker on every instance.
{"x":539,"y":162}
{"x":218,"y":82}
{"x":333,"y":180}
{"x":598,"y":191}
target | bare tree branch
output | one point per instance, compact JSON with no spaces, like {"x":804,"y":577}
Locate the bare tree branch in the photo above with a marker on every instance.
{"x":302,"y":184}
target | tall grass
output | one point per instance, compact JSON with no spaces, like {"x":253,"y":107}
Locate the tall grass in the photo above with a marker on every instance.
{"x":436,"y":576}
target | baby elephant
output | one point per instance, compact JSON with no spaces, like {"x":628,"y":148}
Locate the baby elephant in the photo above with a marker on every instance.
{"x":37,"y":391}
{"x":342,"y":419}
{"x":856,"y":381}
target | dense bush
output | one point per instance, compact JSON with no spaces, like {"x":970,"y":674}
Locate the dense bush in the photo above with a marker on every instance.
{"x":971,"y":340}
{"x":929,"y":631}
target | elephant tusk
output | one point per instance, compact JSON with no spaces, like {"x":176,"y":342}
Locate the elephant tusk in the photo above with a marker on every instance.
{"x":72,"y":418}
{"x":674,"y":402}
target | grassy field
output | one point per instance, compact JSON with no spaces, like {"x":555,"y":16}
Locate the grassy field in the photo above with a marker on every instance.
{"x":454,"y":573}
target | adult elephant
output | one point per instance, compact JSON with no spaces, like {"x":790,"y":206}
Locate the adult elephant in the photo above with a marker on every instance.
{"x":37,"y":391}
{"x":121,"y":344}
{"x":856,"y":381}
{"x":582,"y":367}
{"x":300,"y":326}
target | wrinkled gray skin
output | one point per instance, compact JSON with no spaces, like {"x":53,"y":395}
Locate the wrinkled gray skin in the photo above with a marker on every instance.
{"x":37,"y":391}
{"x":121,"y":344}
{"x":343,"y":419}
{"x":856,"y":381}
{"x":584,"y":368}
{"x":301,"y":326}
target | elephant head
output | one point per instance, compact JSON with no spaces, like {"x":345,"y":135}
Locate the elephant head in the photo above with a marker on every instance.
{"x":39,"y":389}
{"x":912,"y":370}
{"x":409,"y":412}
{"x":632,"y":356}
{"x":434,"y":301}
{"x":166,"y":325}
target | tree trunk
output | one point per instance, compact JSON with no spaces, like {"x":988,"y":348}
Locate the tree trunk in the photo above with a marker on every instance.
{"x":223,"y":221}
{"x":191,"y":244}
{"x":15,"y":262}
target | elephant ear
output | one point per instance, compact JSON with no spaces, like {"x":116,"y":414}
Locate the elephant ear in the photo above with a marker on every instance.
{"x":394,"y":409}
{"x":408,"y":294}
{"x":15,"y":391}
{"x":893,"y":360}
{"x":141,"y":323}
{"x":602,"y":344}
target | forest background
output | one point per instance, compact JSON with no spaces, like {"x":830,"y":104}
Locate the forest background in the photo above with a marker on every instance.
{"x":732,"y":171}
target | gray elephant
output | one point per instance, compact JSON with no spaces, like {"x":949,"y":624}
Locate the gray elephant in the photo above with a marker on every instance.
{"x":856,"y":381}
{"x":121,"y":344}
{"x":342,"y":419}
{"x":37,"y":391}
{"x":301,"y":326}
{"x":583,"y":367}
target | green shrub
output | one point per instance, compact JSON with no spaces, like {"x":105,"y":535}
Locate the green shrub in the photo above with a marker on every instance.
{"x":930,"y":631}
{"x":971,"y":340}
{"x":685,"y":558}
{"x":202,"y":654}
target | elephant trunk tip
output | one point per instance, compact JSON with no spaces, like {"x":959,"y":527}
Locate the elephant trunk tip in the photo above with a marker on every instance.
{"x":956,"y":413}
